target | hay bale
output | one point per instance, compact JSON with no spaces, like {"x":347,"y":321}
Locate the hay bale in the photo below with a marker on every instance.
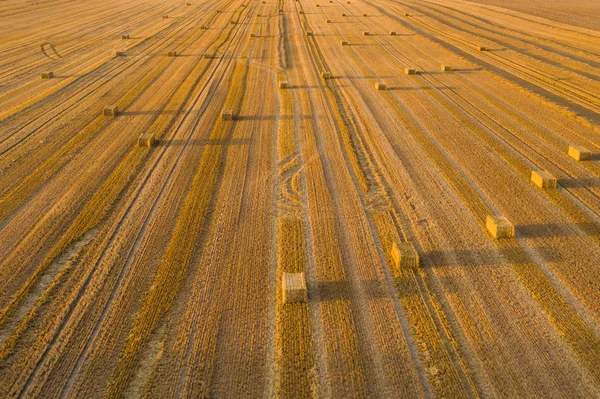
{"x":281,"y":11}
{"x":188,"y":4}
{"x":365,"y":33}
{"x":579,"y":153}
{"x":380,"y":86}
{"x":499,"y":227}
{"x":111,"y":110}
{"x":47,"y":75}
{"x":445,"y":68}
{"x":146,"y":140}
{"x":300,"y":12}
{"x":227,"y":115}
{"x":172,"y":54}
{"x":328,"y":21}
{"x":543,"y":179}
{"x":125,"y":37}
{"x":404,"y":255}
{"x":343,"y":42}
{"x":343,"y":15}
{"x":410,"y":71}
{"x":203,"y":27}
{"x":283,"y":84}
{"x":252,"y":35}
{"x":392,"y":33}
{"x":407,"y":15}
{"x":325,"y":75}
{"x":120,"y":53}
{"x":293,"y":287}
{"x":233,"y":22}
{"x":365,"y":15}
{"x":309,"y":33}
{"x":316,"y":5}
{"x":481,"y":48}
{"x":165,"y":16}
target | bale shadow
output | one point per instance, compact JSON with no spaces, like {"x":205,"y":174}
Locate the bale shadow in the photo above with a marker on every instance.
{"x":341,"y":290}
{"x":580,"y":183}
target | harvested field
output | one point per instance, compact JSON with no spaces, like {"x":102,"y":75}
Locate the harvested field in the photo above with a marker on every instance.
{"x":287,"y":199}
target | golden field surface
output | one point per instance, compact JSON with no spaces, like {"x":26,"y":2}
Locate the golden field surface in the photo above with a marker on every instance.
{"x":129,"y":270}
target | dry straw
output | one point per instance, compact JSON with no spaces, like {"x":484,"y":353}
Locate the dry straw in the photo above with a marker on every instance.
{"x":499,"y":227}
{"x":543,"y":179}
{"x":579,"y":153}
{"x":404,"y":255}
{"x":294,"y":288}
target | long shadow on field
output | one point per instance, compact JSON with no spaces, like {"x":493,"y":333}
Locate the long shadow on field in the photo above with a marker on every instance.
{"x":484,"y":257}
{"x":404,"y":88}
{"x":340,"y":290}
{"x":557,"y":230}
{"x":579,"y":183}
{"x":207,"y":142}
{"x":150,"y":112}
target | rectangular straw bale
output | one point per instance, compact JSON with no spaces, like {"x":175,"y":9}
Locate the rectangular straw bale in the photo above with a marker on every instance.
{"x":294,"y":288}
{"x":499,"y":227}
{"x":380,"y":86}
{"x":227,"y":115}
{"x":146,"y":140}
{"x":47,"y":75}
{"x":543,"y":179}
{"x":579,"y":153}
{"x":445,"y":68}
{"x":404,"y":255}
{"x":111,"y":110}
{"x":410,"y":71}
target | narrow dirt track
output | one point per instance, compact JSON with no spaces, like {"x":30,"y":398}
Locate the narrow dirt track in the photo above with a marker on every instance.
{"x":131,"y":271}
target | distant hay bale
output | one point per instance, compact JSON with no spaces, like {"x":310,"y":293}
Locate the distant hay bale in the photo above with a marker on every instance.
{"x":543,"y":179}
{"x":325,"y":75}
{"x":165,"y":16}
{"x":445,"y":68}
{"x":579,"y":153}
{"x":252,"y":35}
{"x":365,"y":15}
{"x":392,"y":33}
{"x":365,"y":33}
{"x":300,"y":12}
{"x":404,"y":255}
{"x":380,"y":86}
{"x":120,"y":53}
{"x":203,"y":27}
{"x":410,"y":71}
{"x":293,"y":286}
{"x":281,"y":11}
{"x":499,"y":227}
{"x":343,"y":42}
{"x":125,"y":37}
{"x":328,"y":21}
{"x":172,"y":54}
{"x":309,"y":33}
{"x":283,"y":84}
{"x":146,"y":140}
{"x":407,"y":15}
{"x":209,"y":56}
{"x":111,"y":110}
{"x":47,"y":75}
{"x":188,"y":4}
{"x":481,"y":48}
{"x":227,"y":115}
{"x":233,"y":22}
{"x":343,"y":15}
{"x":316,"y":5}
